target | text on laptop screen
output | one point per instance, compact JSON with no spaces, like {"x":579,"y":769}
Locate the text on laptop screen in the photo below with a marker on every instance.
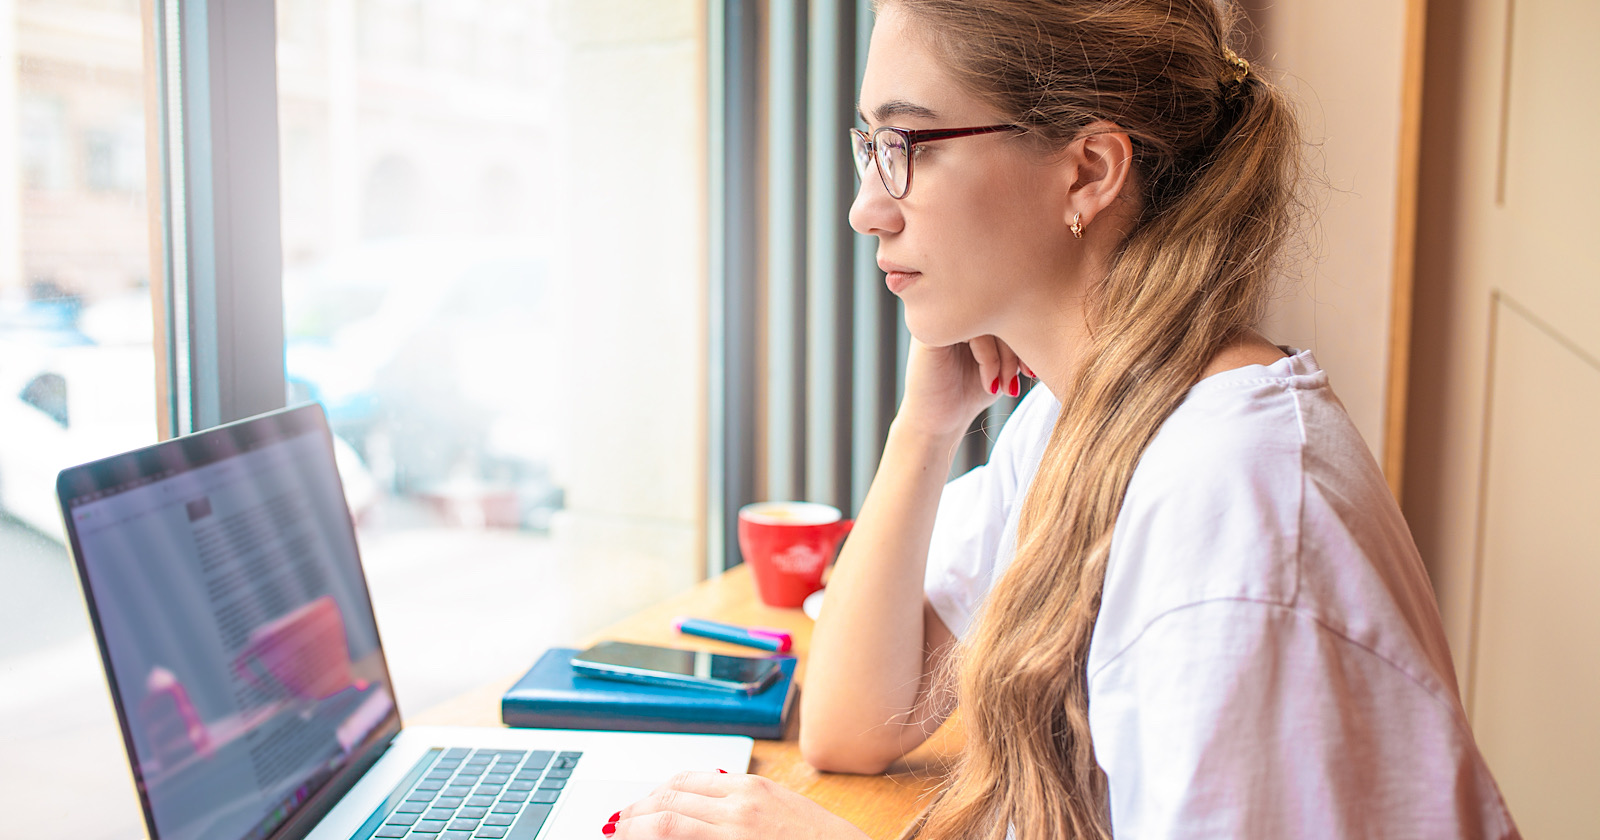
{"x":239,"y":633}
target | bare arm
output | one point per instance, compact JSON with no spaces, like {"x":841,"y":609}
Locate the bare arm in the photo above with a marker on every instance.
{"x":870,"y":695}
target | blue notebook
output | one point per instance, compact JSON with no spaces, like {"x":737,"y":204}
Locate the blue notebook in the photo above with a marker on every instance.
{"x":553,"y":696}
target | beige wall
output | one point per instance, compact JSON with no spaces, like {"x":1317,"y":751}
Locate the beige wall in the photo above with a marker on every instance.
{"x":1344,"y":63}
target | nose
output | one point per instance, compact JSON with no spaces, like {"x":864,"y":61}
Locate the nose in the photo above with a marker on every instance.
{"x":874,"y":212}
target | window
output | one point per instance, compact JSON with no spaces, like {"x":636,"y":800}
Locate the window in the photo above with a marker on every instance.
{"x":77,"y":375}
{"x":493,"y":236}
{"x":493,"y":247}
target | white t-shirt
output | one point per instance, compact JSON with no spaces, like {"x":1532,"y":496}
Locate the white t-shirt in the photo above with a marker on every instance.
{"x":1268,"y":660}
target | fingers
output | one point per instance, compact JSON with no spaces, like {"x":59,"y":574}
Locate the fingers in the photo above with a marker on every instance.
{"x":704,"y":783}
{"x":689,"y":805}
{"x":659,"y":825}
{"x":999,"y":368}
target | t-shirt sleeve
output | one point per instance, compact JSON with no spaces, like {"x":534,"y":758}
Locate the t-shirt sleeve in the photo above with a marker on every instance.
{"x":1234,"y":718}
{"x":974,"y":529}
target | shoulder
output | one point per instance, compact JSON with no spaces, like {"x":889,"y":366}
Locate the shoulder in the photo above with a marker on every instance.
{"x":1223,"y":500}
{"x":1240,"y":718}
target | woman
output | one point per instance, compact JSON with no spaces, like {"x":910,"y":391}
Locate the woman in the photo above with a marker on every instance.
{"x":1186,"y":603}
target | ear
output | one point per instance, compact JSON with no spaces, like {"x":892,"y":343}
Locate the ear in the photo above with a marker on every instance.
{"x":1101,"y":161}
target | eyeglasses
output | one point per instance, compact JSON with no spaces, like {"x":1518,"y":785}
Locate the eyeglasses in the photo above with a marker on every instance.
{"x":890,"y":148}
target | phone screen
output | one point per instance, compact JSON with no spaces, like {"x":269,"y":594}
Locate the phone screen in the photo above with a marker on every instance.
{"x":692,"y":664}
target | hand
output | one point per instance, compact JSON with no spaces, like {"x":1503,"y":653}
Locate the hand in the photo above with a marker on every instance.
{"x":713,"y":806}
{"x":947,"y":386}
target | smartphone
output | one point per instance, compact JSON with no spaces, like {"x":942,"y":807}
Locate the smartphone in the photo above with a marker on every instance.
{"x":677,"y":668}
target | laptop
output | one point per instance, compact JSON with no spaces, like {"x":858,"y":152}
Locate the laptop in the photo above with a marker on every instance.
{"x":233,"y":619}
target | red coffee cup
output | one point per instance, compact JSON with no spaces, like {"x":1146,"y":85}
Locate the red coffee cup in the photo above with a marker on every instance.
{"x":788,"y":545}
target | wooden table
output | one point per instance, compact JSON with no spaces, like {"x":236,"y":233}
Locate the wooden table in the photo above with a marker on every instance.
{"x":882,"y":806}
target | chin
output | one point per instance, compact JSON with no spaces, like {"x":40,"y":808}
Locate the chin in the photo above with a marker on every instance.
{"x":936,"y":332}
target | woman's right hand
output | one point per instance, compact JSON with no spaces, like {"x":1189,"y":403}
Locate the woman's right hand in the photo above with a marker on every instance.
{"x":719,"y":806}
{"x":946,"y":387}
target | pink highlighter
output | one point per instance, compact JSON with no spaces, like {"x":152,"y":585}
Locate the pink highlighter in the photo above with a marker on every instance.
{"x":764,"y":638}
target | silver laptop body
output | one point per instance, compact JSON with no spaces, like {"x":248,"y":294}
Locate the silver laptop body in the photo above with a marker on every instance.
{"x":222,"y":577}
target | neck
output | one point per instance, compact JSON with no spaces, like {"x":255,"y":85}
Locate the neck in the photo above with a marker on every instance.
{"x":1049,"y":331}
{"x":1053,"y":343}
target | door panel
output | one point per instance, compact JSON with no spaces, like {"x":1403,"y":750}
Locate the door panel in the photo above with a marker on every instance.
{"x":1534,"y":689}
{"x":1502,"y":454}
{"x":1552,"y":175}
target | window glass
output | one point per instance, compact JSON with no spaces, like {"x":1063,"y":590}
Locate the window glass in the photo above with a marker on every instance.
{"x":76,"y":381}
{"x":494,"y":263}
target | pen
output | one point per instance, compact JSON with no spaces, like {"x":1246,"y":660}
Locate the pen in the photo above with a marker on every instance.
{"x":756,"y":637}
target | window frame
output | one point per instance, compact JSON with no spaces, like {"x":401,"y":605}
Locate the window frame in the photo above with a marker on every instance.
{"x":217,"y":253}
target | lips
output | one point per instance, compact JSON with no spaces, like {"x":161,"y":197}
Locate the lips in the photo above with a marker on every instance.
{"x":898,"y":277}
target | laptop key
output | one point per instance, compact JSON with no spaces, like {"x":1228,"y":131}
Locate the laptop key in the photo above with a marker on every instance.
{"x":393,"y":831}
{"x":483,"y":800}
{"x":441,"y":813}
{"x":552,"y":784}
{"x":506,"y":808}
{"x":402,"y":818}
{"x":429,"y":826}
{"x":409,"y":807}
{"x":528,"y":826}
{"x":463,"y":825}
{"x":472,"y":813}
{"x":545,"y":797}
{"x":538,"y":759}
{"x":490,"y":831}
{"x":499,"y":819}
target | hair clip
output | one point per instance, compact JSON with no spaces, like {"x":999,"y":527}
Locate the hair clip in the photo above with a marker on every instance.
{"x":1238,"y":68}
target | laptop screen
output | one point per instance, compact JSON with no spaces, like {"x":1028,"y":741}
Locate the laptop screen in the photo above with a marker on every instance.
{"x":222,"y":576}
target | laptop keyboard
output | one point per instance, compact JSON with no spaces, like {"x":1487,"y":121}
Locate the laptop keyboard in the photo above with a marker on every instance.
{"x":459,"y":793}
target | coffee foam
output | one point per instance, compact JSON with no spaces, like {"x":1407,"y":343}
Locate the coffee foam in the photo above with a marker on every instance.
{"x":790,"y":513}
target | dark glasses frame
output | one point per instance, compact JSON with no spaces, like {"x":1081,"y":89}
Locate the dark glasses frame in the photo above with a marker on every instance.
{"x":862,"y":144}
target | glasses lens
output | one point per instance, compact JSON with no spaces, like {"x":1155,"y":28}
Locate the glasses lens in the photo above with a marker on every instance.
{"x":894,"y":160}
{"x":859,"y":148}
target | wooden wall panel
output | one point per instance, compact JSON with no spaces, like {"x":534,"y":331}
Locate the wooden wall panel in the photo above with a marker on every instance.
{"x":1535,"y":684}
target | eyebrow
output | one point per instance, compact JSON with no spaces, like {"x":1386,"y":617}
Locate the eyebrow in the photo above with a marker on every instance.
{"x":897,"y":108}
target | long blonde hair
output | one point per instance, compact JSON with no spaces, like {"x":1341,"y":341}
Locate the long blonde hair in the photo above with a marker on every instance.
{"x":1217,"y":166}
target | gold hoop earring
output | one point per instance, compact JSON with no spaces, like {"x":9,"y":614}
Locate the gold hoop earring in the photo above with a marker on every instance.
{"x":1077,"y":226}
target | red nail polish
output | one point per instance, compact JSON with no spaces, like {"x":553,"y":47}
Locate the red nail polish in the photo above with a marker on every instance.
{"x":994,"y":387}
{"x":615,"y":817}
{"x":720,"y":770}
{"x":1016,"y":386}
{"x":608,"y":829}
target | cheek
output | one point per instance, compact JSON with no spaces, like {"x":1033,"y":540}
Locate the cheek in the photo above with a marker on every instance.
{"x":1012,"y":230}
